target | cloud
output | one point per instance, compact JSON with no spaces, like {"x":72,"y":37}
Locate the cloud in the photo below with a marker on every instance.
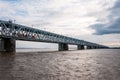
{"x":67,"y":17}
{"x":50,"y":14}
{"x":111,"y":28}
{"x":113,"y":24}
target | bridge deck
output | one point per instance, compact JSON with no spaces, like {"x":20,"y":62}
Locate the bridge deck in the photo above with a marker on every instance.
{"x":20,"y":32}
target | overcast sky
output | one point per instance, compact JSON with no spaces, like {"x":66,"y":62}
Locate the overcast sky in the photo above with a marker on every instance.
{"x":91,"y":20}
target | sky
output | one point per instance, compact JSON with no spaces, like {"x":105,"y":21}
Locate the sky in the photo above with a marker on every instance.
{"x":96,"y":21}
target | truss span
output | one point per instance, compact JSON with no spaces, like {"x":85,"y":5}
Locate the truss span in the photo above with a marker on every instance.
{"x":20,"y":32}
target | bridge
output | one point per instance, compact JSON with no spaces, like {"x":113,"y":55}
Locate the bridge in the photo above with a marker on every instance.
{"x":10,"y":32}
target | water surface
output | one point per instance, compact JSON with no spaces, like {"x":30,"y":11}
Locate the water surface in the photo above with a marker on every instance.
{"x":98,"y":64}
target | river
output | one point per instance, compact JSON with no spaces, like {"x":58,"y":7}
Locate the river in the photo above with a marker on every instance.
{"x":96,"y":64}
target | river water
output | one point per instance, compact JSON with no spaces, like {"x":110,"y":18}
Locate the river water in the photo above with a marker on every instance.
{"x":97,"y":64}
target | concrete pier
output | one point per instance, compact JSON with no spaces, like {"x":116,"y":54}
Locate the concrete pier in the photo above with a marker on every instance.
{"x":7,"y":45}
{"x":63,"y":47}
{"x":79,"y":47}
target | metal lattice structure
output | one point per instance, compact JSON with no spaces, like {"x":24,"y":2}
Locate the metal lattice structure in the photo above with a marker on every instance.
{"x":20,"y":32}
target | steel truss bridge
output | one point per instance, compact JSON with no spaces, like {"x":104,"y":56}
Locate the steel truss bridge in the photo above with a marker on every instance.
{"x":9,"y":32}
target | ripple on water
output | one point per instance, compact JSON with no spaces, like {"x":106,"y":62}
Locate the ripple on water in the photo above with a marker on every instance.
{"x":68,"y":65}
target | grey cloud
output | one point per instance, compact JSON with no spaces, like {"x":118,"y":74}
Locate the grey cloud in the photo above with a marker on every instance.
{"x":115,"y":10}
{"x":113,"y":26}
{"x":117,"y":4}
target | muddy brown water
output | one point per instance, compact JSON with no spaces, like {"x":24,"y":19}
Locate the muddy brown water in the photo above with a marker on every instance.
{"x":98,"y":64}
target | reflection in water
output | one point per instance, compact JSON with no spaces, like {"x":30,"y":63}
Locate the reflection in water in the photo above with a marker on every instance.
{"x":67,"y":65}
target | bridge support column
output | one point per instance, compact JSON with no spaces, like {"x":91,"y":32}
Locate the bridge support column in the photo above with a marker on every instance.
{"x":7,"y":45}
{"x":79,"y":47}
{"x":63,"y":47}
